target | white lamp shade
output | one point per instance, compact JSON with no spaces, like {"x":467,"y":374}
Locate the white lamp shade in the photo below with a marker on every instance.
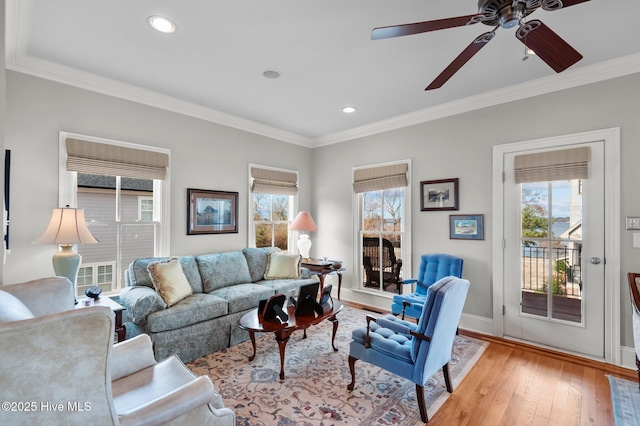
{"x":67,"y":226}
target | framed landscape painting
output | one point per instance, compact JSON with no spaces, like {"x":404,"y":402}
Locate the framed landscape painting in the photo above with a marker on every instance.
{"x":466,"y":227}
{"x":439,"y":195}
{"x":211,"y":212}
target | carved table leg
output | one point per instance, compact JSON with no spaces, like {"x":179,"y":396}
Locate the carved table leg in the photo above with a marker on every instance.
{"x":335,"y":322}
{"x":282,"y":338}
{"x":252,"y":336}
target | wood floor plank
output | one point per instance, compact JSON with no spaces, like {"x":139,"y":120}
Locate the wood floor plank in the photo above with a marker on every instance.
{"x":516,"y":384}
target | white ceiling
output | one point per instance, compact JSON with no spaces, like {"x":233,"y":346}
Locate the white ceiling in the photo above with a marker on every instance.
{"x":212,"y":66}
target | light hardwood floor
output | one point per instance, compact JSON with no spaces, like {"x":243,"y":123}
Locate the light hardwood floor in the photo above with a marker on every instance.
{"x":517,"y":384}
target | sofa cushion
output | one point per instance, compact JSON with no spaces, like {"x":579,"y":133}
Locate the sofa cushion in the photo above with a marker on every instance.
{"x":12,"y":308}
{"x":169,"y":280}
{"x":138,"y":275}
{"x":243,"y":296}
{"x":194,"y":309}
{"x":257,"y":260}
{"x":219,"y":270}
{"x":283,"y":266}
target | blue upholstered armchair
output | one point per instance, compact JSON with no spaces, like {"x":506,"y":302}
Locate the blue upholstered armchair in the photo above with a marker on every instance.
{"x":414,"y":351}
{"x":433,"y":267}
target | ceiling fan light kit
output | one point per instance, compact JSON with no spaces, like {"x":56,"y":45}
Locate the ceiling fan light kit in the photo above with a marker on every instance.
{"x":535,"y":35}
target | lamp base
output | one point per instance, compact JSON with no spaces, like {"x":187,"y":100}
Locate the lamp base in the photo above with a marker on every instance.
{"x":66,"y":263}
{"x":304,"y":245}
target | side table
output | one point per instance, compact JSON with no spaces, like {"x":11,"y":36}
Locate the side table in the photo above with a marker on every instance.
{"x":115,"y":307}
{"x":321,"y":269}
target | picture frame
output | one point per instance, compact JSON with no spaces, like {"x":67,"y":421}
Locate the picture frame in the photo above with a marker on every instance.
{"x":211,"y":212}
{"x":439,"y":194}
{"x":466,"y":227}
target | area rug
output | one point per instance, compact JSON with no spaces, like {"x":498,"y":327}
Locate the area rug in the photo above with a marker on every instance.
{"x":625,"y":397}
{"x":314,"y":391}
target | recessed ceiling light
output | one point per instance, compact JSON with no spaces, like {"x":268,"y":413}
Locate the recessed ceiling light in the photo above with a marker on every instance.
{"x":349,"y":109}
{"x":271,"y":74}
{"x":161,"y":24}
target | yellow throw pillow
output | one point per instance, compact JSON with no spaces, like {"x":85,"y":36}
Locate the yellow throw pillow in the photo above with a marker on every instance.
{"x":283,"y":266}
{"x":169,"y":280}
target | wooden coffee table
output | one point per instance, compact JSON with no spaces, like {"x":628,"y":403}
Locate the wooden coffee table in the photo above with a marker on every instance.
{"x":253,"y":325}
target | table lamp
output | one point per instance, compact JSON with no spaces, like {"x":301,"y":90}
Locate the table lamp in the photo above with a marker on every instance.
{"x":304,"y":222}
{"x":66,"y":228}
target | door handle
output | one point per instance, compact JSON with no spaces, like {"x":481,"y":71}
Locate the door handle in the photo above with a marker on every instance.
{"x":595,"y":260}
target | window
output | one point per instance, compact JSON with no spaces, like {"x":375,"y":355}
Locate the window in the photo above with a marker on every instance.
{"x":145,"y":209}
{"x":382,"y":195}
{"x":100,"y":274}
{"x":274,"y":198}
{"x":123,"y":189}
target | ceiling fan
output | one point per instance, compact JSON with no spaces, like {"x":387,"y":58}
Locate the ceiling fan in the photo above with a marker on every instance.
{"x":546,"y":44}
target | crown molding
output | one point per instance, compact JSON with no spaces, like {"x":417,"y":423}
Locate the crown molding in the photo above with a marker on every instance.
{"x":17,"y":30}
{"x":568,"y":79}
{"x":17,"y":59}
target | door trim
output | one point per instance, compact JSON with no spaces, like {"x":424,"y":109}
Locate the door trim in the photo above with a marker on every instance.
{"x":611,"y":138}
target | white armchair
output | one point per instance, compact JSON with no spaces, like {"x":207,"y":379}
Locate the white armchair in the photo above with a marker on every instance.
{"x":62,"y":367}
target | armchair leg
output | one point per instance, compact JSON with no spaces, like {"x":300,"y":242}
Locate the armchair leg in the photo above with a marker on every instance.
{"x":447,"y":378}
{"x":421,"y":406}
{"x":352,"y":368}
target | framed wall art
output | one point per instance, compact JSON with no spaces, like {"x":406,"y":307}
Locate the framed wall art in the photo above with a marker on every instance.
{"x":211,"y":212}
{"x":439,"y":195}
{"x":466,"y":227}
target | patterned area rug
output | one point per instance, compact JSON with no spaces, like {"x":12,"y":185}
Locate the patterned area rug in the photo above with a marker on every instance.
{"x":314,"y":391}
{"x":625,"y":397}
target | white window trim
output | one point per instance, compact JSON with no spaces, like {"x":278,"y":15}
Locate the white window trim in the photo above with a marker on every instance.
{"x":251,"y":235}
{"x":67,"y":182}
{"x":611,"y":137}
{"x":407,"y":269}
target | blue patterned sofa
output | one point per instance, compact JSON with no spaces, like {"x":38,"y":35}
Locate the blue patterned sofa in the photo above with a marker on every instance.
{"x":225,"y":286}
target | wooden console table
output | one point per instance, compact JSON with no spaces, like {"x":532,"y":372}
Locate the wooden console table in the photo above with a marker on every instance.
{"x":321,"y":269}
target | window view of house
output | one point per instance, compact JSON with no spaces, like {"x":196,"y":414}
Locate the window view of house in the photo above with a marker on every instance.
{"x":119,"y":213}
{"x":551,"y":249}
{"x":382,"y":233}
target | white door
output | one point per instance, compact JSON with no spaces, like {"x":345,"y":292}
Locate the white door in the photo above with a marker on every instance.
{"x":554,"y":266}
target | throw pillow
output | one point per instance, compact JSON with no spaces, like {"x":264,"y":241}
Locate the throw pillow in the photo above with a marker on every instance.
{"x":169,"y":280}
{"x":283,"y":266}
{"x":12,"y":308}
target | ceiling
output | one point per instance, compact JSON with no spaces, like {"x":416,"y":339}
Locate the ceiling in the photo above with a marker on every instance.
{"x":212,"y":66}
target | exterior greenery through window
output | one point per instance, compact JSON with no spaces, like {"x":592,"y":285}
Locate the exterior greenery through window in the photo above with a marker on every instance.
{"x":382,"y":219}
{"x":271,"y":216}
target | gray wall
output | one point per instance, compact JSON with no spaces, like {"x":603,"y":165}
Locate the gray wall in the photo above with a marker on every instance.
{"x":203,"y":155}
{"x":210,"y":156}
{"x":461,"y":146}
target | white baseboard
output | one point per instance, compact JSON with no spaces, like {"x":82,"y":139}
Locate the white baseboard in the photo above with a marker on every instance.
{"x":478,"y":324}
{"x":485,"y":326}
{"x":628,"y":357}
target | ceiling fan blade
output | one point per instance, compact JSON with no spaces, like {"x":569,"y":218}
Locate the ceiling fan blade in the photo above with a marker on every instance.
{"x":567,"y":3}
{"x":549,"y":46}
{"x":423,"y":27}
{"x":462,"y":59}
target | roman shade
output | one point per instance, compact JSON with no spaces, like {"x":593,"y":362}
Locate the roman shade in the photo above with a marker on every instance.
{"x":268,"y":181}
{"x":547,"y":166}
{"x":380,"y":177}
{"x":114,"y":160}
